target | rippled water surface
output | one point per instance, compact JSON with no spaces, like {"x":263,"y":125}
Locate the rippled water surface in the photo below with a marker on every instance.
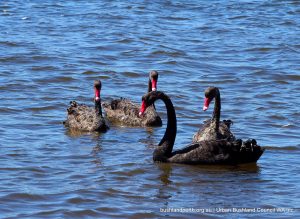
{"x":51,"y":51}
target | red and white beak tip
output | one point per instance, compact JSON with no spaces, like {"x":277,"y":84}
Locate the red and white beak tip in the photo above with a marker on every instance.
{"x":154,"y":84}
{"x":97,"y":93}
{"x":206,"y":103}
{"x":143,"y":108}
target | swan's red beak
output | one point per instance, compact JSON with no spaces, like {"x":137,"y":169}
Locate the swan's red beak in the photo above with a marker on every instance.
{"x":143,"y":108}
{"x":97,"y":93}
{"x":154,"y":84}
{"x":206,"y":103}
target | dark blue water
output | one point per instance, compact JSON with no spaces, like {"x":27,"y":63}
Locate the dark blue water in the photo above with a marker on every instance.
{"x":52,"y":51}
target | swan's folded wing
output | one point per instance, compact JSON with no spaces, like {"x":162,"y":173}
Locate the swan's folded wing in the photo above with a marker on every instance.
{"x":205,"y":152}
{"x":207,"y":132}
{"x":216,"y":152}
{"x":124,"y":112}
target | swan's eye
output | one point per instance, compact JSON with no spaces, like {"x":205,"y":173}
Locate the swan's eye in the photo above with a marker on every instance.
{"x":210,"y":92}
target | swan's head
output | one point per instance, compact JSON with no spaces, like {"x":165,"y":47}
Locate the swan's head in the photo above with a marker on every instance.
{"x":97,"y":87}
{"x":210,"y":94}
{"x":153,"y":77}
{"x":147,"y":100}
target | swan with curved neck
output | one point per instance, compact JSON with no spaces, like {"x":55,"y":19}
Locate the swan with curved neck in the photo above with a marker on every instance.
{"x":85,"y":118}
{"x":214,"y":129}
{"x":125,"y":112}
{"x":204,"y":152}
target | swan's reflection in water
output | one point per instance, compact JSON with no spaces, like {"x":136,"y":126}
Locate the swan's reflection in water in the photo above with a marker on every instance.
{"x":95,"y":153}
{"x":219,"y":169}
{"x":150,"y":140}
{"x":165,"y":172}
{"x":74,"y":133}
{"x":95,"y":137}
{"x":249,"y":167}
{"x":164,"y":192}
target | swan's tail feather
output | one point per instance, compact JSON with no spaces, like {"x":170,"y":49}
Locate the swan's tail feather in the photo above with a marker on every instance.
{"x":250,"y":151}
{"x":228,"y":123}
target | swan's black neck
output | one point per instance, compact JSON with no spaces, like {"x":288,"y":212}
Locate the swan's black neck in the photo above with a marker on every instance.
{"x":217,"y":110}
{"x":150,"y":89}
{"x":166,"y":144}
{"x":149,"y":85}
{"x":98,"y":107}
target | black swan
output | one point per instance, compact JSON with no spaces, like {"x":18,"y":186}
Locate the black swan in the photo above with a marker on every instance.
{"x":214,"y":129}
{"x":85,"y":118}
{"x":124,"y":112}
{"x":204,"y":152}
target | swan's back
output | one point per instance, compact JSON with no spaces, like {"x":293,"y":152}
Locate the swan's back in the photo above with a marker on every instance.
{"x":218,"y":152}
{"x":84,"y":118}
{"x":124,"y":112}
{"x":207,"y":132}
